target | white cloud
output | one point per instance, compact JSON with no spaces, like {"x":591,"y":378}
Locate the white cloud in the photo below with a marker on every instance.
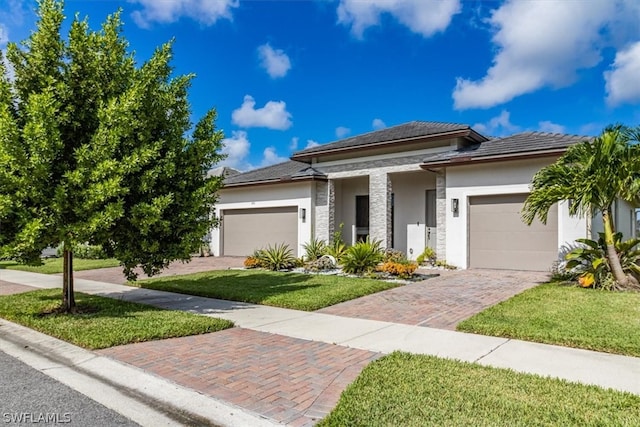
{"x":237,"y":149}
{"x":274,"y":61}
{"x":206,"y":12}
{"x":4,"y":34}
{"x":378,"y":124}
{"x":293,"y":145}
{"x":271,"y":157}
{"x":547,"y":126}
{"x":623,"y":80}
{"x":539,"y":44}
{"x":497,"y":126}
{"x":273,"y":115}
{"x":342,"y":131}
{"x":424,"y":17}
{"x":311,"y":143}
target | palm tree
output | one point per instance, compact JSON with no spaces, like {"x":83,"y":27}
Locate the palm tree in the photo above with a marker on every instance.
{"x":592,"y":174}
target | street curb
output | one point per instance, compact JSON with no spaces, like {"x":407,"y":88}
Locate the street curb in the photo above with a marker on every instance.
{"x":145,"y":398}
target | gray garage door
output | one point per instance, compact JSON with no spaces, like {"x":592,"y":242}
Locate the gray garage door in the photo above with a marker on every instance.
{"x":499,"y":239}
{"x":245,"y":230}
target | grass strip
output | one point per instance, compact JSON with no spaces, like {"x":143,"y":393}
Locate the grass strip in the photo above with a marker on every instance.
{"x":555,"y":313}
{"x":54,"y":265}
{"x":413,"y":390}
{"x":102,"y":322}
{"x":289,"y":290}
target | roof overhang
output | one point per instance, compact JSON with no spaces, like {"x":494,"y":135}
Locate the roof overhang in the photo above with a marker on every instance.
{"x":285,"y":180}
{"x":469,"y":160}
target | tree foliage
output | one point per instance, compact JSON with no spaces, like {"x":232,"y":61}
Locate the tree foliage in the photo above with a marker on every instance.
{"x":592,"y":174}
{"x":94,"y":148}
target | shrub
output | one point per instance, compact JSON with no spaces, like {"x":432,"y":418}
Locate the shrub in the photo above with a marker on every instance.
{"x":404,"y":270}
{"x":428,"y":255}
{"x":394,"y":255}
{"x":443,"y":264}
{"x":278,"y":257}
{"x":315,"y":249}
{"x":337,"y":248}
{"x":362,"y":257}
{"x":85,"y":251}
{"x":252,"y":262}
{"x":325,"y":262}
{"x":589,"y":262}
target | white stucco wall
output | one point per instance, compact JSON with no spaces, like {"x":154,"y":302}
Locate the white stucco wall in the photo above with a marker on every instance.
{"x":624,"y":216}
{"x":268,"y":196}
{"x":492,"y":179}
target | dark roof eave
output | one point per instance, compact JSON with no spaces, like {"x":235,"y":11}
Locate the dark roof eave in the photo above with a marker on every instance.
{"x":442,"y":135}
{"x":490,"y":159}
{"x":274,"y":181}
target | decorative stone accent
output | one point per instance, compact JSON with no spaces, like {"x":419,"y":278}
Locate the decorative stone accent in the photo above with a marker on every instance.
{"x":325,"y":210}
{"x":441,"y":215}
{"x":380,"y":207}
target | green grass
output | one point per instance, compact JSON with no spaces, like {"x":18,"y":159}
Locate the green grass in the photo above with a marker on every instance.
{"x":54,"y":265}
{"x":555,"y":313}
{"x":289,"y":290}
{"x":106,"y":323}
{"x":411,"y":390}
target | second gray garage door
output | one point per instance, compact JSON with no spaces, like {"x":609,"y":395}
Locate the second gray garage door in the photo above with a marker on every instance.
{"x":245,"y":230}
{"x":499,"y":239}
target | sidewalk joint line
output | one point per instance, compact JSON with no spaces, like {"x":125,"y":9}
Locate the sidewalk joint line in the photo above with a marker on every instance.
{"x":492,"y":350}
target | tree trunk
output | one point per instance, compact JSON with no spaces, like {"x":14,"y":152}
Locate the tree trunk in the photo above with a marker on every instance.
{"x":68,"y":298}
{"x":612,"y":255}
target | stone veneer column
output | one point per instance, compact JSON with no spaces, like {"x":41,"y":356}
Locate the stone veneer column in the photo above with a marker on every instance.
{"x":380,"y":207}
{"x":325,"y":210}
{"x":441,"y":215}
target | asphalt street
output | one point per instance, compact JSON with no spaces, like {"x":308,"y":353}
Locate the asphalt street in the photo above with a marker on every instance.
{"x":29,"y":398}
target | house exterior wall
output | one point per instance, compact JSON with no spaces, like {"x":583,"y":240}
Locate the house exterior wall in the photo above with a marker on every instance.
{"x":299,"y":194}
{"x":409,"y":191}
{"x":346,"y":191}
{"x":509,"y":177}
{"x":624,"y":217}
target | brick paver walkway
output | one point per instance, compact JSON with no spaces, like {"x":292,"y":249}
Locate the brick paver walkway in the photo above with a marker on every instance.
{"x":440,"y":302}
{"x":196,"y":265}
{"x":293,"y":381}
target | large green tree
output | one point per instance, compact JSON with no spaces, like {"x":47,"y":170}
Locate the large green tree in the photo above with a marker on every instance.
{"x":592,"y":174}
{"x":94,"y":148}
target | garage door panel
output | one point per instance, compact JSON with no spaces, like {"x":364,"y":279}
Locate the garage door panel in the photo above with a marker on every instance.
{"x":245,"y":230}
{"x":498,"y":238}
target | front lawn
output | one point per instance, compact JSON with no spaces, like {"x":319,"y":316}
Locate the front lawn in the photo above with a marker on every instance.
{"x":413,"y":390}
{"x":289,"y":290}
{"x":556,"y":313}
{"x":54,"y":265}
{"x":106,"y":322}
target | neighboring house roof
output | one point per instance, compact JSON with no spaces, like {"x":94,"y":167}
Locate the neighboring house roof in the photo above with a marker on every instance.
{"x":522,"y":145}
{"x":392,"y":135}
{"x":281,"y":172}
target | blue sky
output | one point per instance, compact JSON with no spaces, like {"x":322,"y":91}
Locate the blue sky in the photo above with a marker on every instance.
{"x":284,"y":75}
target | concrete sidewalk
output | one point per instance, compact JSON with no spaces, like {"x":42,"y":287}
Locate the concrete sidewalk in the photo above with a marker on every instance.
{"x":605,"y":370}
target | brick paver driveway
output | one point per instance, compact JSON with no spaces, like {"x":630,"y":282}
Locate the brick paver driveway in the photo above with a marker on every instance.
{"x":196,"y":265}
{"x":292,"y":381}
{"x":441,"y":302}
